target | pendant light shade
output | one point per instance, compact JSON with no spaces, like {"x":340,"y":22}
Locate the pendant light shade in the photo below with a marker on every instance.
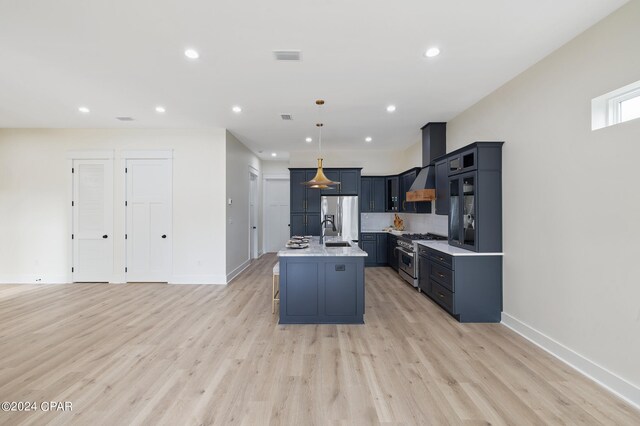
{"x":320,"y":181}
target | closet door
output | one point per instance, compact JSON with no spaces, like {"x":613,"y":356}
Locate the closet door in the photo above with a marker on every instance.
{"x":92,"y":210}
{"x":148,"y":220}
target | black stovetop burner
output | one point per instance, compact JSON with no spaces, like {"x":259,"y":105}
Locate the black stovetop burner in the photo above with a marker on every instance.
{"x":427,"y":236}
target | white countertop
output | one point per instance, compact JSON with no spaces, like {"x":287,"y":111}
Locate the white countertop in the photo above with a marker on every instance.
{"x":380,"y":231}
{"x":444,"y":247}
{"x":315,"y":249}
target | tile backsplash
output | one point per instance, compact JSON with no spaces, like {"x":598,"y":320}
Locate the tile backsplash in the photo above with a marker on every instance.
{"x":422,"y":223}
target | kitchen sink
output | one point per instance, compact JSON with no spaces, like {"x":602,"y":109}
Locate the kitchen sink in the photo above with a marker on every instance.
{"x":337,"y":244}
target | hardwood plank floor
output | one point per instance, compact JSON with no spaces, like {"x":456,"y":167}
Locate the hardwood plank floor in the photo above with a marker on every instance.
{"x":198,"y":354}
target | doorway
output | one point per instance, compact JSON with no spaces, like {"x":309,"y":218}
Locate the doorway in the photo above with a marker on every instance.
{"x":92,"y":220}
{"x":148,"y":228}
{"x":276,"y":212}
{"x":253,"y":214}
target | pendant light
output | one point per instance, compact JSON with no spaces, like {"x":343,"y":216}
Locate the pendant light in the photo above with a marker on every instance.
{"x":320,"y":181}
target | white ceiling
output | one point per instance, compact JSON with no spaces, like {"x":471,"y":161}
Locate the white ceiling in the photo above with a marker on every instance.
{"x":124,"y":57}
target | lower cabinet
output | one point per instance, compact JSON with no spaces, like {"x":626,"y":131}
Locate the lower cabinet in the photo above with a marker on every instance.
{"x":392,"y":253}
{"x":467,"y":287}
{"x":375,"y":244}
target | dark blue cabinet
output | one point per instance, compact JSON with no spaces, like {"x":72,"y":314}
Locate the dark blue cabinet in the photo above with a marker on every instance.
{"x":376,"y":246}
{"x":373,"y":194}
{"x":305,"y":202}
{"x":381,"y":254}
{"x":365,"y":195}
{"x":392,"y":192}
{"x":333,"y":175}
{"x":371,"y":247}
{"x":349,"y":180}
{"x":442,"y":187}
{"x":297,"y":224}
{"x":298,"y":192}
{"x":475,"y":197}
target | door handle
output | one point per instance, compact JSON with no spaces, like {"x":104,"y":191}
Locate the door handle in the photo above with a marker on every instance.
{"x":253,"y":227}
{"x":105,"y":236}
{"x":164,"y":236}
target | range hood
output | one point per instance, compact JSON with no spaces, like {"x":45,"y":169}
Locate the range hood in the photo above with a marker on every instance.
{"x":434,"y":144}
{"x":424,"y":187}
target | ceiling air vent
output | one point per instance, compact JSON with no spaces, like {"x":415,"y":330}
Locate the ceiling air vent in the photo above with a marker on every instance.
{"x":287,"y":55}
{"x":125,"y":118}
{"x":286,"y":117}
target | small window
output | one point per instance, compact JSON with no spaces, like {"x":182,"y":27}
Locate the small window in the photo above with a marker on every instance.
{"x":616,"y":107}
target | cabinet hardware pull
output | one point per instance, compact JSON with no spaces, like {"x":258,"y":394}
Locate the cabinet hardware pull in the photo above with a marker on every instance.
{"x":440,"y":275}
{"x":441,"y":258}
{"x":441,"y":295}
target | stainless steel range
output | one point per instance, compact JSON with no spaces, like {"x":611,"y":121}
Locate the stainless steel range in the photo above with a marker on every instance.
{"x":407,"y":250}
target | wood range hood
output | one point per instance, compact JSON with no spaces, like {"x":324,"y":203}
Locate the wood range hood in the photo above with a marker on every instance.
{"x":434,"y":144}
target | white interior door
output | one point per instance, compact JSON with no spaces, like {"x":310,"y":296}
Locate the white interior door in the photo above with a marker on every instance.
{"x":92,"y":210}
{"x":253,"y":215}
{"x":148,"y":223}
{"x":277,"y":214}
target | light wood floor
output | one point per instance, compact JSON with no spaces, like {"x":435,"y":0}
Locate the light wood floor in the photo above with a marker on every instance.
{"x":194,"y":354}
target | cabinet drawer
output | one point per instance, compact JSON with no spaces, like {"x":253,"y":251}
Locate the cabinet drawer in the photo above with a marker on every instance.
{"x":442,"y":296}
{"x":368,"y":237}
{"x":439,"y":257}
{"x":441,"y":274}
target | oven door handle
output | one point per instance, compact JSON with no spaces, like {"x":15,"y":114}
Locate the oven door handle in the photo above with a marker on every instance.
{"x":404,"y":251}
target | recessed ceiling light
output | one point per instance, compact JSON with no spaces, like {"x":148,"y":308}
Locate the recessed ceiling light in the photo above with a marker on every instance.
{"x":160,"y":109}
{"x":309,"y":140}
{"x":236,"y":109}
{"x":368,"y":139}
{"x":273,"y":154}
{"x":391,"y":108}
{"x":84,"y":110}
{"x":431,"y":52}
{"x":191,"y":54}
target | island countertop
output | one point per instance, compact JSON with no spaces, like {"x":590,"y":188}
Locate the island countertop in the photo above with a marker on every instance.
{"x":316,"y":249}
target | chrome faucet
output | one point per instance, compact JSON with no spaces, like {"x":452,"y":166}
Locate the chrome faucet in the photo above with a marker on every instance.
{"x":326,"y":220}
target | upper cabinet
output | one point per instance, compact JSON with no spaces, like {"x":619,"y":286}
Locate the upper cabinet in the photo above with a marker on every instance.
{"x":348,"y":178}
{"x":305,"y":202}
{"x":442,"y":187}
{"x":464,"y":161}
{"x":373,"y":194}
{"x":392,"y":192}
{"x":475,"y":197}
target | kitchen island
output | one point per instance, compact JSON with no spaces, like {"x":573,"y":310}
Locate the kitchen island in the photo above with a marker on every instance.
{"x":322,"y":285}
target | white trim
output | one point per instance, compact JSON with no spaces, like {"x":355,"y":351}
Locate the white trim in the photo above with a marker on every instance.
{"x":90,"y":155}
{"x":282,"y":176}
{"x":32,"y":279}
{"x":605,"y":378}
{"x":212,"y":279}
{"x":150,"y":154}
{"x":231,"y":275}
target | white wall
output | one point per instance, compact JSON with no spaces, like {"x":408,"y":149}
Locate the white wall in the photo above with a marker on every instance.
{"x":275,"y":167}
{"x":373,"y":162}
{"x":571,"y":206}
{"x":35,"y":205}
{"x":238,"y":160}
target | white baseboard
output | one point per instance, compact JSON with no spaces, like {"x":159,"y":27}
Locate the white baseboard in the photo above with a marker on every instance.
{"x":605,"y":378}
{"x":35,"y":279}
{"x":198,"y":279}
{"x":231,"y":275}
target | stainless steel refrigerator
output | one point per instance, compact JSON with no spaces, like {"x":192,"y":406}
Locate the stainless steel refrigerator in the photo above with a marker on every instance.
{"x":343,"y":211}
